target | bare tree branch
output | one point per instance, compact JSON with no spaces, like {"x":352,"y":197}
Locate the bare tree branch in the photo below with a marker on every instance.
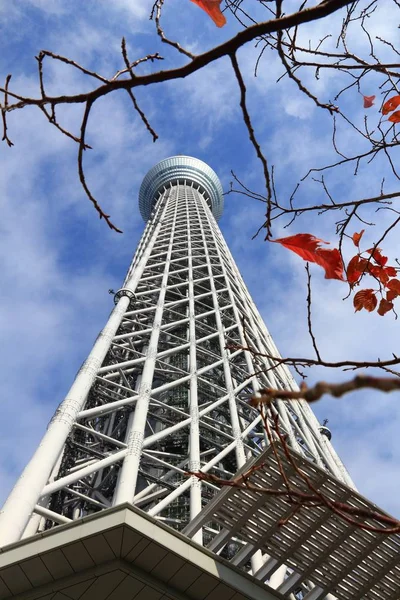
{"x":312,"y":394}
{"x":4,"y":109}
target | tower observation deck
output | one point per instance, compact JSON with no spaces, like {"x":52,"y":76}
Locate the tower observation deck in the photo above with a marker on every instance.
{"x":181,"y":169}
{"x":166,"y":385}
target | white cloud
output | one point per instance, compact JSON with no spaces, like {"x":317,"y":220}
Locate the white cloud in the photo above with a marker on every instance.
{"x":134,"y":10}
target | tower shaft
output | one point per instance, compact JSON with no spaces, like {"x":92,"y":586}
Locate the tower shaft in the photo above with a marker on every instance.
{"x":165,"y":388}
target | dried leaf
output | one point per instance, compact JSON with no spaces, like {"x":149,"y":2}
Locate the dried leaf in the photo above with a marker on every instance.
{"x":303,"y":244}
{"x":378,"y":257}
{"x":394,"y":285}
{"x":391,"y":295}
{"x":395,"y":117}
{"x":211,"y":7}
{"x":383,"y":274}
{"x":356,"y":268}
{"x":384,"y":307}
{"x":307,"y":246}
{"x":331,"y":261}
{"x":379,"y":273}
{"x":365,"y":299}
{"x":391,"y":271}
{"x":390,"y":105}
{"x":368,"y":101}
{"x":357,"y":237}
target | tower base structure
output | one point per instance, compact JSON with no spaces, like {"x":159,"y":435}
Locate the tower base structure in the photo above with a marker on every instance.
{"x":121,"y":554}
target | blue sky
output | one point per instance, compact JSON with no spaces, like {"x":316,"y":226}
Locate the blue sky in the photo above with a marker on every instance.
{"x":58,"y":260}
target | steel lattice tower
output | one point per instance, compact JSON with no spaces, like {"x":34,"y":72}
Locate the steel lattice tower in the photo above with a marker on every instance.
{"x":160,"y":393}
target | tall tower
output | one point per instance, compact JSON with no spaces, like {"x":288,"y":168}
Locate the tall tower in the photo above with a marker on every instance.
{"x":165,"y":388}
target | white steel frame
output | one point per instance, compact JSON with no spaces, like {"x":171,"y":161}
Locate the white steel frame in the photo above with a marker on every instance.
{"x":160,"y":393}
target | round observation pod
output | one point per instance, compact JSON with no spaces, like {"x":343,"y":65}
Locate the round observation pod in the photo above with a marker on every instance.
{"x":181,"y":169}
{"x":326,"y":432}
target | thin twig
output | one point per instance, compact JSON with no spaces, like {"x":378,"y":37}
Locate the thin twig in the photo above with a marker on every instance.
{"x":253,"y":139}
{"x":129,"y":68}
{"x":82,"y":178}
{"x":4,"y":112}
{"x":310,"y":331}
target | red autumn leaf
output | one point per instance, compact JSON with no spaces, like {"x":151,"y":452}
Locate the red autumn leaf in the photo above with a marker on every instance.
{"x":391,"y":271}
{"x":379,"y":273}
{"x":211,"y":7}
{"x":357,"y":236}
{"x":384,"y":307}
{"x":378,"y":257}
{"x":331,"y":261}
{"x":365,"y":299}
{"x":303,"y":244}
{"x":368,"y":101}
{"x":391,"y":295}
{"x":395,"y":117}
{"x":390,"y":105}
{"x":383,"y":274}
{"x":394,"y":285}
{"x":307,"y":246}
{"x":355,"y":269}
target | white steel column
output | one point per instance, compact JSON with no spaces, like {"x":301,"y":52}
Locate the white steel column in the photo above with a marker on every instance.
{"x":26,"y":493}
{"x":233,"y":409}
{"x":22,"y":500}
{"x":137,"y":422}
{"x":194,"y":440}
